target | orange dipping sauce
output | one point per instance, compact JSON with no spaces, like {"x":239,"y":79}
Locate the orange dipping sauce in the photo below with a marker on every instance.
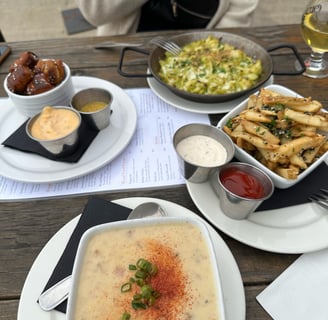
{"x":241,"y":183}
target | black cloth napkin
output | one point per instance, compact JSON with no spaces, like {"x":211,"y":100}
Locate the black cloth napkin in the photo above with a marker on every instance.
{"x":21,"y":141}
{"x":97,"y":211}
{"x":299,"y":193}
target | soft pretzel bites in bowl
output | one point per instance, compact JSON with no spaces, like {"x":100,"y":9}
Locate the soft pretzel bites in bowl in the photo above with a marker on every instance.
{"x":34,"y":83}
{"x":279,"y":131}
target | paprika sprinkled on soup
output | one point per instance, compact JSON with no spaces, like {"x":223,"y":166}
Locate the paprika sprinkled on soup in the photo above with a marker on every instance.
{"x":242,"y":184}
{"x":183,"y":281}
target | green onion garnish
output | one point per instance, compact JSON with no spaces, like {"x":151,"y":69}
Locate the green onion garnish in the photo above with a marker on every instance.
{"x":138,"y":305}
{"x":126,"y":316}
{"x":126,"y":287}
{"x":141,"y":274}
{"x":140,"y":282}
{"x":146,"y":297}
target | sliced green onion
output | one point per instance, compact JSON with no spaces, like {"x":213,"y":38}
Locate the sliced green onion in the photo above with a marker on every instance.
{"x":138,"y":305}
{"x":140,"y":282}
{"x":137,"y":296}
{"x":147,"y":296}
{"x":151,"y":301}
{"x":126,"y":316}
{"x":126,"y":287}
{"x":141,"y":274}
{"x":153,"y":270}
{"x":146,"y":291}
{"x":144,"y":265}
{"x":141,"y":262}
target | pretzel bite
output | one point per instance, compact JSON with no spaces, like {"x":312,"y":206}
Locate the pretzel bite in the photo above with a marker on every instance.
{"x":27,"y":59}
{"x":40,"y":83}
{"x":53,"y":70}
{"x":19,"y":78}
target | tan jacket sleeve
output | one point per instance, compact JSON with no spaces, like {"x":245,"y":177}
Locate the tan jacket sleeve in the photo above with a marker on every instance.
{"x":99,"y":12}
{"x":112,"y":16}
{"x":234,"y":13}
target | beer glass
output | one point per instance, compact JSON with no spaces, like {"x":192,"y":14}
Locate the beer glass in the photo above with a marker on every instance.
{"x":315,"y":33}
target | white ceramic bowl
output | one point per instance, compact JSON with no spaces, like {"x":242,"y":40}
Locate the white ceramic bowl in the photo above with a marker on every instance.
{"x":110,"y":257}
{"x":29,"y":106}
{"x":243,"y":156}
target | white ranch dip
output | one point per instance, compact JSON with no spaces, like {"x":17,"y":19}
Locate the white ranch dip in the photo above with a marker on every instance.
{"x":202,"y":151}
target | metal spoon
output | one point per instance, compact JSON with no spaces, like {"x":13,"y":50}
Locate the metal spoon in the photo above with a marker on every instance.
{"x":56,"y":294}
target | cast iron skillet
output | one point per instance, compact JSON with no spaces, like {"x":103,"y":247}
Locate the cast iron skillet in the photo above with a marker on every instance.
{"x":251,"y":48}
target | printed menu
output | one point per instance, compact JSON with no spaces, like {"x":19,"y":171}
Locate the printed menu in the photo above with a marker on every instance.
{"x":149,"y":161}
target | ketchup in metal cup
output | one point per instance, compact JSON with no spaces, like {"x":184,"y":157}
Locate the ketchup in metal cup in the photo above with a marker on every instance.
{"x":241,"y":183}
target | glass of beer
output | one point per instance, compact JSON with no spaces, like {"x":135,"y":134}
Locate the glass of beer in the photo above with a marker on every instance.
{"x":315,"y":33}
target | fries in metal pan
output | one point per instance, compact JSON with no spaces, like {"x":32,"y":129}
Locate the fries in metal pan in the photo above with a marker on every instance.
{"x":286,"y":134}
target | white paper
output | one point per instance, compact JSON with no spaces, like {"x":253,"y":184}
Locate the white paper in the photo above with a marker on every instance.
{"x":301,"y":291}
{"x":149,"y":161}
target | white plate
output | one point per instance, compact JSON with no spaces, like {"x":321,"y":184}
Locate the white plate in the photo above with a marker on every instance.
{"x":232,"y":285}
{"x":209,"y":108}
{"x":297,"y":229}
{"x":107,"y":145}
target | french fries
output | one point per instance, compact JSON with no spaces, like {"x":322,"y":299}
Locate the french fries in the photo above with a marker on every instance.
{"x":286,"y":134}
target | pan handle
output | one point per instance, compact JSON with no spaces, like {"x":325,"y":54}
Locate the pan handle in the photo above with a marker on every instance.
{"x":120,"y":65}
{"x":302,"y":66}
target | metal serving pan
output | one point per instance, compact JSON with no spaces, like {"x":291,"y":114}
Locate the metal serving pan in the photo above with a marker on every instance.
{"x":251,"y":48}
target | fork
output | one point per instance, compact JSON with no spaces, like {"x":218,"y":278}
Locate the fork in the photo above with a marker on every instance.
{"x":167,"y":45}
{"x":158,"y":41}
{"x":321,"y":198}
{"x":113,"y":44}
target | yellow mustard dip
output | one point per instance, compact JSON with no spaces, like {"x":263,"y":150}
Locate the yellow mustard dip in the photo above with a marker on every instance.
{"x":93,"y":106}
{"x":54,"y":123}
